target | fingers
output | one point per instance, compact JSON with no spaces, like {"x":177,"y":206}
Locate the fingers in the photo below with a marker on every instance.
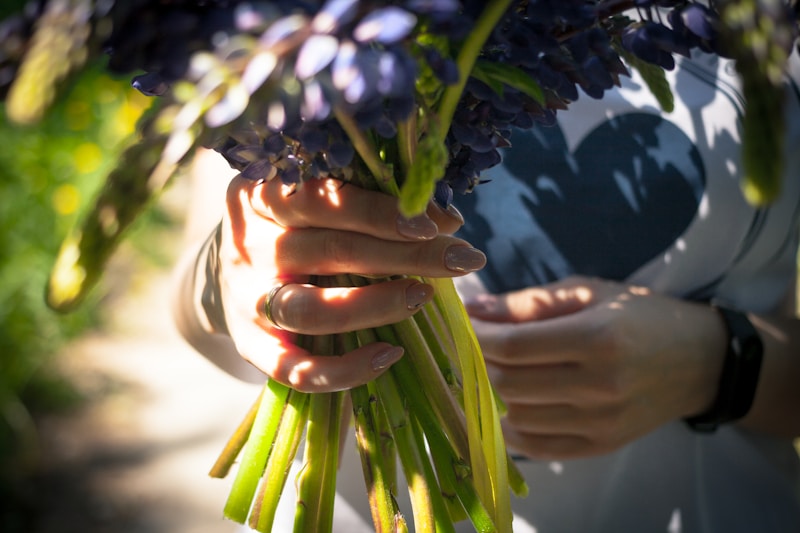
{"x":535,"y":303}
{"x":334,"y":204}
{"x":563,"y":322}
{"x":278,"y":234}
{"x":278,"y":357}
{"x":551,"y":447}
{"x":317,"y":311}
{"x":563,"y":431}
{"x":569,"y":339}
{"x":330,"y":252}
{"x":548,"y":384}
{"x":323,"y":230}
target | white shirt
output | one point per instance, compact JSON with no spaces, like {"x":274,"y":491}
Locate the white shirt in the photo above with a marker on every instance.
{"x":671,"y":480}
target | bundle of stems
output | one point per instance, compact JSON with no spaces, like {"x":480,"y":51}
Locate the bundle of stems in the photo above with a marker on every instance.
{"x":417,"y":412}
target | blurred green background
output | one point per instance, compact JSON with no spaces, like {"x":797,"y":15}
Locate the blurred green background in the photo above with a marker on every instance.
{"x":48,"y":176}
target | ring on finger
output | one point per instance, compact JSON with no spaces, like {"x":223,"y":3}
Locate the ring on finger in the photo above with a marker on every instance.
{"x":269,"y":299}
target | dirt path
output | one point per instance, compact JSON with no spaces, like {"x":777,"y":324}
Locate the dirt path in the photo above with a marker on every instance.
{"x":135,"y":459}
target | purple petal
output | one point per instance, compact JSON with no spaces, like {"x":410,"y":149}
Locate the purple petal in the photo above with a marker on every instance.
{"x":333,"y":15}
{"x":315,"y":54}
{"x":283,"y":29}
{"x":229,"y":108}
{"x":150,"y":84}
{"x":261,"y":169}
{"x":386,"y":25}
{"x":314,"y":106}
{"x":258,"y":70}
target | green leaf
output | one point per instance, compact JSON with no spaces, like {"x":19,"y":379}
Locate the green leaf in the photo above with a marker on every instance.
{"x":654,"y":77}
{"x":488,"y":457}
{"x":497,"y":75}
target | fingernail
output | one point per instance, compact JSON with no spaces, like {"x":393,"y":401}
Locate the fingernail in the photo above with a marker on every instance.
{"x":420,"y":227}
{"x":386,"y":358}
{"x":464,"y":259}
{"x":418,"y":295}
{"x":452,"y":212}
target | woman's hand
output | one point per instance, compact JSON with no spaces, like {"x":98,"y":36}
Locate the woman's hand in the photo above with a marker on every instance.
{"x":275,"y":235}
{"x":586,"y":365}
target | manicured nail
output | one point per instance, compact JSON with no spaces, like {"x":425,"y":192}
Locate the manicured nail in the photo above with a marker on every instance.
{"x":418,"y":295}
{"x":464,"y":259}
{"x":386,"y":358}
{"x":452,"y":212}
{"x":420,"y":227}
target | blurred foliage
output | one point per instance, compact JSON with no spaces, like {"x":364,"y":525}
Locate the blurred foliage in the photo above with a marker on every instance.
{"x":48,"y":175}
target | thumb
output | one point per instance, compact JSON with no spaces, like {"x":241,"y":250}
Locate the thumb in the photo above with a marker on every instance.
{"x":533,"y":303}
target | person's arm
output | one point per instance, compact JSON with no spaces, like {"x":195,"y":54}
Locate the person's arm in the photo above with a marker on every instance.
{"x":586,"y":366}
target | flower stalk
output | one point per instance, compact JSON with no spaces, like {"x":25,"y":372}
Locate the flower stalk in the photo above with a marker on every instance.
{"x":280,"y":459}
{"x":467,"y":56}
{"x":317,"y":479}
{"x":256,"y":452}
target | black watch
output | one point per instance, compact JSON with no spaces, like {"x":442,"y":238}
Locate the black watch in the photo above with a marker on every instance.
{"x":739,"y":380}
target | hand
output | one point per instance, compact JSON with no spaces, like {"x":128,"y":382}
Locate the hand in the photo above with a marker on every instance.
{"x":586,"y":366}
{"x":274,"y":235}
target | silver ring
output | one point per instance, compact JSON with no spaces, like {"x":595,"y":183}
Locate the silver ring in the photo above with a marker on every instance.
{"x":268,"y":300}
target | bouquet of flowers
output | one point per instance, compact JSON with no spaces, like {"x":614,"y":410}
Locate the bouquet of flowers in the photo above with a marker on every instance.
{"x":411,"y":97}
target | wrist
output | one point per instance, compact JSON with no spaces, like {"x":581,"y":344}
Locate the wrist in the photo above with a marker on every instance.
{"x":709,"y":357}
{"x":735,"y":387}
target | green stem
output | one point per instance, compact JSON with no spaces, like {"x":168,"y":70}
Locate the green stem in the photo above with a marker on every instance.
{"x":256,"y":451}
{"x":388,"y":442}
{"x":407,"y":142}
{"x":419,"y":367}
{"x":416,"y":466}
{"x":429,"y":322}
{"x":290,"y":432}
{"x":385,"y":514}
{"x":317,"y":481}
{"x":376,"y":465}
{"x":366,"y":149}
{"x":470,"y":50}
{"x":456,"y":474}
{"x":236,"y":442}
{"x":418,"y":370}
{"x":430,"y":511}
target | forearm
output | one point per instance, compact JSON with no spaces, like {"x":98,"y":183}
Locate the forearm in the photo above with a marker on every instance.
{"x":199,"y":319}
